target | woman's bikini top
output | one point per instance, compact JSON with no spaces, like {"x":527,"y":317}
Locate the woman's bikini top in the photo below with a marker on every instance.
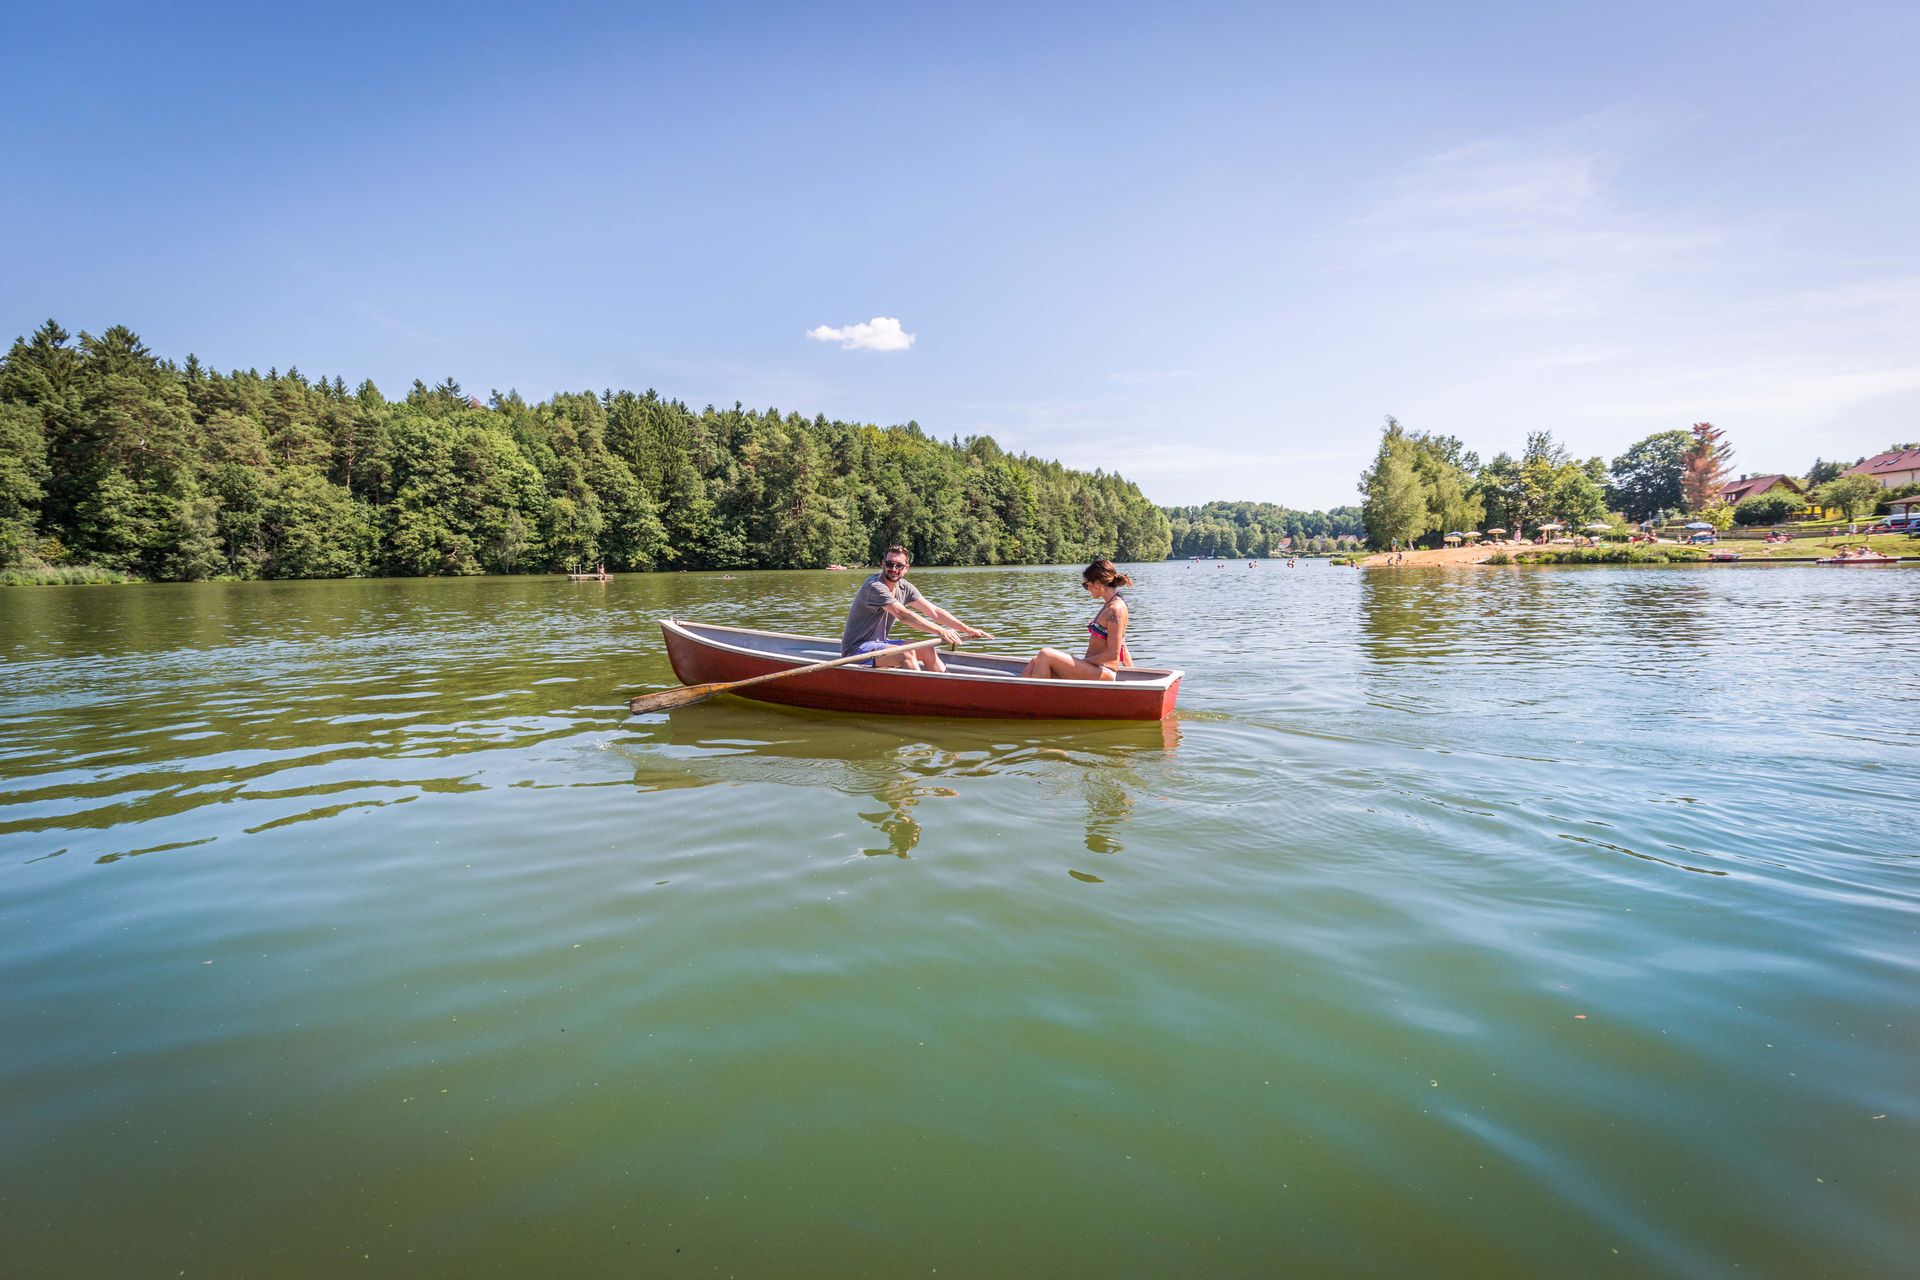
{"x":1094,"y":628}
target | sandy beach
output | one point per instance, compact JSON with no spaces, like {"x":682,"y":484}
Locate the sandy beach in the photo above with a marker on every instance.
{"x":1438,"y":555}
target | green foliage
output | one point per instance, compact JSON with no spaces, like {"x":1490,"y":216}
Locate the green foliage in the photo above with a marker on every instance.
{"x":1428,"y":485}
{"x":1396,"y":507}
{"x":1898,"y":491}
{"x":1647,"y":478}
{"x":23,"y":473}
{"x":1253,"y":529}
{"x":112,"y":456}
{"x":1544,"y":485}
{"x":1766,"y":508}
{"x":1446,"y":472}
{"x":31,"y":574}
{"x":1822,"y":471}
{"x":1641,"y":553}
{"x":1576,"y":498}
{"x":1852,"y":496}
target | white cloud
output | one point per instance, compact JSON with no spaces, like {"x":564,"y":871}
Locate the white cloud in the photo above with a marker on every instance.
{"x":882,"y":333}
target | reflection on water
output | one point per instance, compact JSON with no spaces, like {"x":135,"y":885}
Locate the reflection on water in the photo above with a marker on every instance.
{"x":901,"y":763}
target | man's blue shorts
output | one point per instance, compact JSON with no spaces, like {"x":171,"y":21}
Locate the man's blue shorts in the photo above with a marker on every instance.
{"x":870,"y":646}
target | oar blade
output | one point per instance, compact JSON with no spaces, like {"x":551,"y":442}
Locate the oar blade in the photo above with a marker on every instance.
{"x":669,"y":699}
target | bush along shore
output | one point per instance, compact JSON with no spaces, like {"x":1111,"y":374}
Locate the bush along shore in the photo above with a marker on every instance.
{"x":1801,"y":551}
{"x":37,"y":573}
{"x":1617,"y":553}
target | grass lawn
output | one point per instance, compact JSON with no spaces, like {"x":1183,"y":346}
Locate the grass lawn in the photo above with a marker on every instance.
{"x":1890,"y":544}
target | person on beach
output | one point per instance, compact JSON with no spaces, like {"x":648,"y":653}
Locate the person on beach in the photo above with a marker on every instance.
{"x":887,"y":597}
{"x":1106,"y":634}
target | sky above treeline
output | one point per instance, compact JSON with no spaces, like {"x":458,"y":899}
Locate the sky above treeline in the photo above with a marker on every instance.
{"x":1209,"y":247}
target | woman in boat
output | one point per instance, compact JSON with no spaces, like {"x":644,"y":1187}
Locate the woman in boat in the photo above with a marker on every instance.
{"x":1106,"y":634}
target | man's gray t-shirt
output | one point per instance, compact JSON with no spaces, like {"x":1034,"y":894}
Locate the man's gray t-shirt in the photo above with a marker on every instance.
{"x":868,"y":618}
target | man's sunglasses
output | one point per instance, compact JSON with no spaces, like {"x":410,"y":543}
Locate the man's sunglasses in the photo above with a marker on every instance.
{"x":893,"y":564}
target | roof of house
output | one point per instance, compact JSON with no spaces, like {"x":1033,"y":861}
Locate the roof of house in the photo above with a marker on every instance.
{"x":1747,"y":486}
{"x":1892,"y":460}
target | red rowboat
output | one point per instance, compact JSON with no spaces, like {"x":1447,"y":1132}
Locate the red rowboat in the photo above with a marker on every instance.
{"x":974,"y":684}
{"x":1869,"y":560}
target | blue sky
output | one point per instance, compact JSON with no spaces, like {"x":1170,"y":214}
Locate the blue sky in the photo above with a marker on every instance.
{"x":1209,"y":247}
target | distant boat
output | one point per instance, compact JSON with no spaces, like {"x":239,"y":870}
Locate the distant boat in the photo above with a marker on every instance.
{"x":1723,"y":555}
{"x":1865,"y":560}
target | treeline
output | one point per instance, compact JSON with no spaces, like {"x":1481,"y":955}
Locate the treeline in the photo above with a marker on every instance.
{"x":1673,"y":472}
{"x":1422,"y":487}
{"x":110,"y":456}
{"x":1231,"y":529}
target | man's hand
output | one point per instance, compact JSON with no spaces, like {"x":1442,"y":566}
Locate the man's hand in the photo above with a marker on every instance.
{"x":976,"y":632}
{"x":950,"y":636}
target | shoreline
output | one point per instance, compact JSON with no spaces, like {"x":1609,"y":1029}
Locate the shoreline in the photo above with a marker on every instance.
{"x":1800,"y":552}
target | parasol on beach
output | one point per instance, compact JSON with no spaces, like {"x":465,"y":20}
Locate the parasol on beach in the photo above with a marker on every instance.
{"x":1496,"y":529}
{"x":1699,"y":524}
{"x":1598,"y":526}
{"x":1551,"y":525}
{"x":1471,"y":533}
{"x":1451,"y":537}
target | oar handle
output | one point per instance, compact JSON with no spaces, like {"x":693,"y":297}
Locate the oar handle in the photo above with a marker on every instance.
{"x":672,"y":699}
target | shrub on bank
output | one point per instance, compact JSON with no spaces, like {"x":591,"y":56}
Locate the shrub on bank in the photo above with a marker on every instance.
{"x":61,"y":575}
{"x":1634,"y":554}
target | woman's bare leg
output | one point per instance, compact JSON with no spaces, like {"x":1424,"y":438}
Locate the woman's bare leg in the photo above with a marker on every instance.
{"x":1041,"y":665}
{"x":1052,"y":664}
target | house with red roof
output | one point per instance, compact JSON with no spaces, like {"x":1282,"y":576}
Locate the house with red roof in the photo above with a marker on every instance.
{"x":1891,"y":469}
{"x":1734,"y":492}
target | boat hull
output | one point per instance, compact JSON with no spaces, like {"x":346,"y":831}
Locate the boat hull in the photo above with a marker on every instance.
{"x":981,"y":686}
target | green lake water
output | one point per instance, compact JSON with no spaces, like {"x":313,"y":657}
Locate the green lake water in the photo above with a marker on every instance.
{"x":1471,"y":923}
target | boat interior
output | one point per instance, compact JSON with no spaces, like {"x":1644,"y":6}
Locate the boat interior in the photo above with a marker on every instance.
{"x":819,"y":649}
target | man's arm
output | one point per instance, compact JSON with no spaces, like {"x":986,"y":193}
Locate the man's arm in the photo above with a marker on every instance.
{"x":943,"y":616}
{"x":900,"y":613}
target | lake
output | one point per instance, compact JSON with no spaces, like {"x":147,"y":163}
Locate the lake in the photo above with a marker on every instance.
{"x":1469,"y":923}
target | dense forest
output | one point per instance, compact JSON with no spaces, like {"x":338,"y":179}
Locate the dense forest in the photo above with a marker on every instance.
{"x":1260,"y":528}
{"x":112,"y":457}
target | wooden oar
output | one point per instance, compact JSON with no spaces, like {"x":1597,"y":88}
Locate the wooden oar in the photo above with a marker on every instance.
{"x":687,"y":695}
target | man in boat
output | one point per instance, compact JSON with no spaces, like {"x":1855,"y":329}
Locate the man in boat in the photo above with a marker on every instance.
{"x":887,"y":597}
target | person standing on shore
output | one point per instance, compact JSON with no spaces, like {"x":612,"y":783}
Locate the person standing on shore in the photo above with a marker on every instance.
{"x":887,"y":597}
